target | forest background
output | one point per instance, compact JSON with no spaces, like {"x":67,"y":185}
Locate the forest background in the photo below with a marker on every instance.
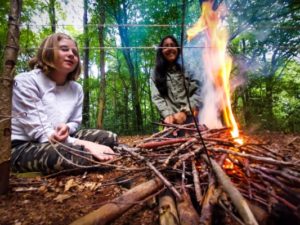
{"x":117,"y":40}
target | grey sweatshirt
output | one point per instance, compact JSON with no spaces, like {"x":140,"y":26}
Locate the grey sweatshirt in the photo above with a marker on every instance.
{"x":39,"y":105}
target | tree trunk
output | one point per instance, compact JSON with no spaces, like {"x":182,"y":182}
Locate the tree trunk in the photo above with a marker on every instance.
{"x":86,"y":61}
{"x":120,"y":14}
{"x":10,"y":58}
{"x":102,"y":66}
{"x":269,"y":101}
{"x":52,"y":16}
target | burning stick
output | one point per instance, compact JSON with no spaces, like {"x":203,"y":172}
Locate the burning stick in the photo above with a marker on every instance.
{"x":234,"y":194}
{"x":256,"y":158}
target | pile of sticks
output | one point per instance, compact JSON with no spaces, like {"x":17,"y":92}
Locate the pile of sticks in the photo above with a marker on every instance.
{"x":196,"y":174}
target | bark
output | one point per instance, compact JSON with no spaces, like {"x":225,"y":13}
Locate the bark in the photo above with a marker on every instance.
{"x":6,"y":79}
{"x":119,"y":205}
{"x":102,"y":87}
{"x":86,"y":62}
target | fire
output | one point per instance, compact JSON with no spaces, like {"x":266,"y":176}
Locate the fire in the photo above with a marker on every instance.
{"x":217,"y":62}
{"x":228,"y":164}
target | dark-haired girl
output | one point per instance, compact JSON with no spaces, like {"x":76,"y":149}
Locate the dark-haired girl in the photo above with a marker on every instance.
{"x":168,"y":88}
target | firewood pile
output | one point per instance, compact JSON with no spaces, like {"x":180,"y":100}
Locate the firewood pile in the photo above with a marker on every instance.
{"x":194,"y":177}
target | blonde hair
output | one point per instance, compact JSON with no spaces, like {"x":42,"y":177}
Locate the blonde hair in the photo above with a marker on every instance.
{"x":46,"y":55}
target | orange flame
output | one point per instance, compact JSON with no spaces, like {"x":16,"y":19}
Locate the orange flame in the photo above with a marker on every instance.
{"x":217,"y":62}
{"x":228,"y":164}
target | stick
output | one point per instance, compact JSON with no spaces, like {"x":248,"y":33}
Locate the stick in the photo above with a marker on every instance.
{"x":185,"y":145}
{"x":157,"y":173}
{"x":197,"y":183}
{"x":155,"y":144}
{"x":236,"y":197}
{"x":121,"y":204}
{"x":256,"y":158}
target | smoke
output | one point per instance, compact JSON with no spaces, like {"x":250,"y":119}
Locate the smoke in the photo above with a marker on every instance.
{"x":210,"y":113}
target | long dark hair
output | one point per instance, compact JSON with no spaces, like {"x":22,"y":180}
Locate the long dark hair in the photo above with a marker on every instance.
{"x":162,"y":65}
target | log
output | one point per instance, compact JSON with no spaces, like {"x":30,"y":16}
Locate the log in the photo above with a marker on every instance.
{"x":186,"y":211}
{"x":167,"y":210}
{"x":121,"y":204}
{"x":234,"y":194}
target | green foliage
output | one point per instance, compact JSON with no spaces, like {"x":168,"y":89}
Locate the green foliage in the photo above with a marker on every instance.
{"x":264,"y":44}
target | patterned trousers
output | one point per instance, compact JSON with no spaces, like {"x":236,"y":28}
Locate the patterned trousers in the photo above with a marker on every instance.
{"x":48,"y":158}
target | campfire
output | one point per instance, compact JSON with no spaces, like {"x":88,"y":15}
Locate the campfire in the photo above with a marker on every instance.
{"x":248,"y":182}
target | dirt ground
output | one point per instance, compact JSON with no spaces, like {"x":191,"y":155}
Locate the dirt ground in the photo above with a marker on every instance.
{"x":63,"y":198}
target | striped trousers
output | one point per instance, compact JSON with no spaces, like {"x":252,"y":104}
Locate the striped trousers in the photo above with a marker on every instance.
{"x":29,"y":156}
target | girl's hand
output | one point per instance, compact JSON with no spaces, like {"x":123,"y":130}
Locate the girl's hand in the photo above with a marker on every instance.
{"x":61,"y":133}
{"x":169,"y":119}
{"x":180,"y":117}
{"x":101,"y":152}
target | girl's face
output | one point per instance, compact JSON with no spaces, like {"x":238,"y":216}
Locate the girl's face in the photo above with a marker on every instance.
{"x":66,"y":57}
{"x":170,"y":50}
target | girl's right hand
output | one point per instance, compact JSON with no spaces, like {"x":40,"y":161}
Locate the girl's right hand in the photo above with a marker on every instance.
{"x":61,"y":133}
{"x":169,"y":119}
{"x":101,"y":152}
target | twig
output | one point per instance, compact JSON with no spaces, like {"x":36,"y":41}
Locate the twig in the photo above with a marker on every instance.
{"x":152,"y":167}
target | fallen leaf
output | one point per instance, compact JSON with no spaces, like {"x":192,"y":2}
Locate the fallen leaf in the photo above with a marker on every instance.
{"x":70,"y":183}
{"x":61,"y":197}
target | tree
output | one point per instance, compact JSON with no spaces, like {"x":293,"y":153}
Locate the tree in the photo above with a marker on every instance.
{"x":86,"y":62}
{"x":120,"y":11}
{"x":10,"y":58}
{"x":102,"y":85}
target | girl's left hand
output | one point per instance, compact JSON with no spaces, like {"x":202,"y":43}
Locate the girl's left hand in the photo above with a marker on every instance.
{"x":61,"y":132}
{"x":180,"y":117}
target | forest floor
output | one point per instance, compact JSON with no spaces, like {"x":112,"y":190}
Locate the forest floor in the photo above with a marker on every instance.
{"x":64,"y":198}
